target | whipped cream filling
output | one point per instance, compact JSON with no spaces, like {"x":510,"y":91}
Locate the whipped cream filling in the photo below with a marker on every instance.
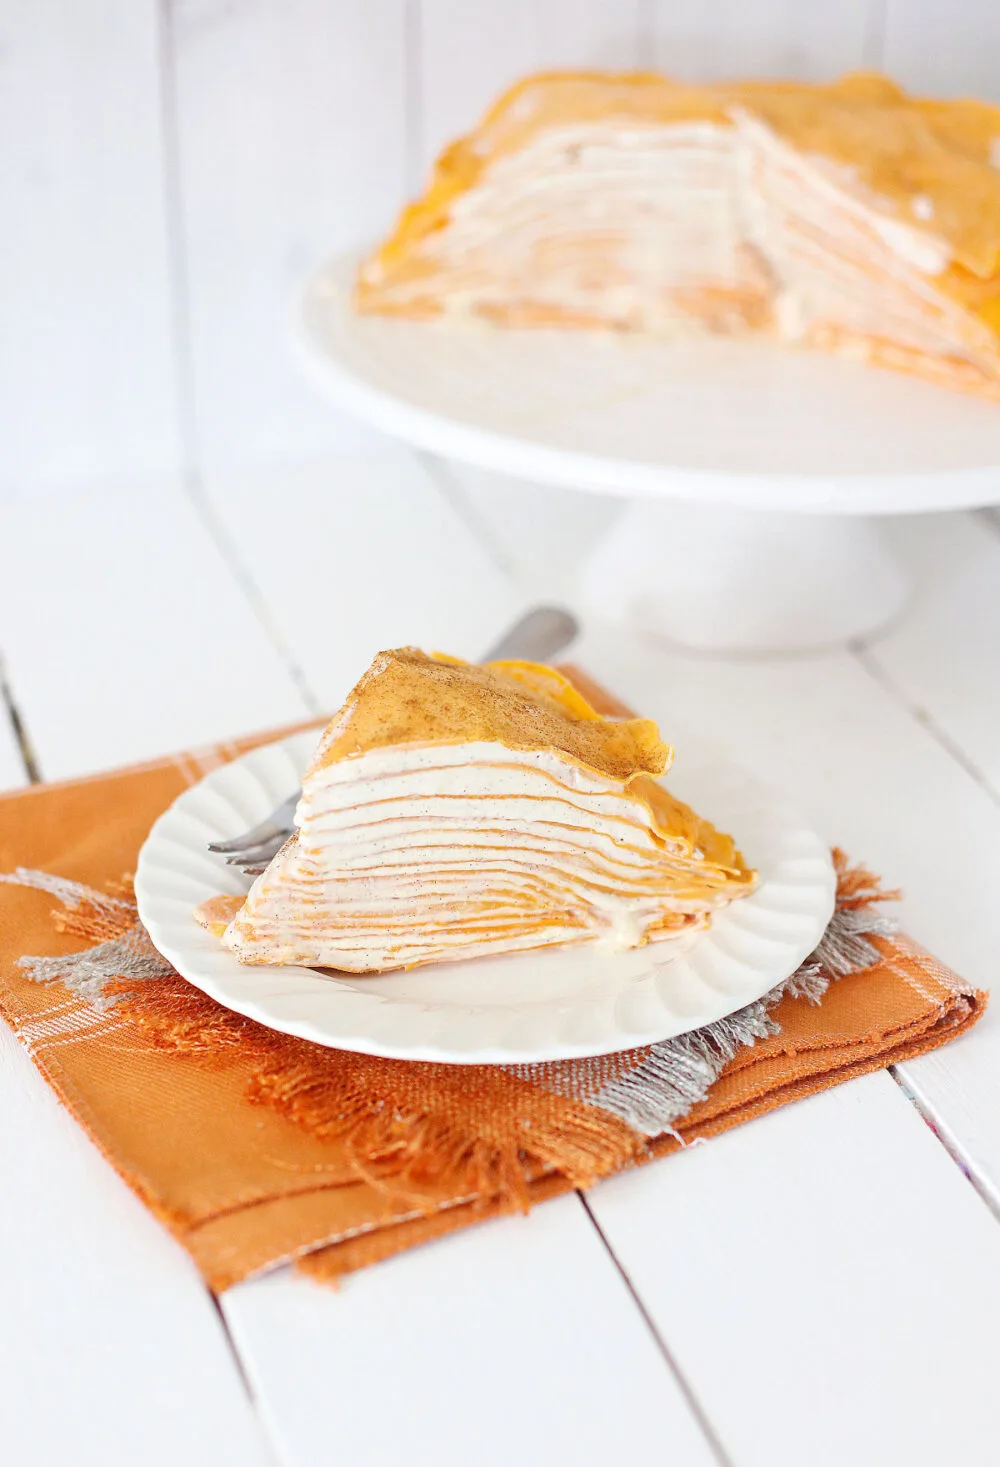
{"x":841,"y":265}
{"x":419,"y":853}
{"x":596,"y":222}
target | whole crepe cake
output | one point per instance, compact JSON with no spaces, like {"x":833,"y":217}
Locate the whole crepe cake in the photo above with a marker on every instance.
{"x":849,"y":217}
{"x":454,"y":810}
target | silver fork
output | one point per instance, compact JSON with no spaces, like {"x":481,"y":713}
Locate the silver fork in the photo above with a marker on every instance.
{"x":536,"y":637}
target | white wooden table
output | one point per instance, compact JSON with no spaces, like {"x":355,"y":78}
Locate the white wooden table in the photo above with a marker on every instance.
{"x":820,"y":1288}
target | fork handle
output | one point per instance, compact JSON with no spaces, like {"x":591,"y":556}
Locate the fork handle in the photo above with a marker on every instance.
{"x":536,"y":637}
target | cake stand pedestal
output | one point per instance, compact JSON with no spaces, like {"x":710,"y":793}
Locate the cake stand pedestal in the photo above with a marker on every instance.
{"x":725,"y":579}
{"x":754,"y":474}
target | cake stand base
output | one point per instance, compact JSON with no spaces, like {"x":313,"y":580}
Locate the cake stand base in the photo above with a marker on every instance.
{"x":743,"y":580}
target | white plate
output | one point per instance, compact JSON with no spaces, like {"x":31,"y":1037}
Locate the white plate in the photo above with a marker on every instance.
{"x":720,"y":419}
{"x":544,"y":1005}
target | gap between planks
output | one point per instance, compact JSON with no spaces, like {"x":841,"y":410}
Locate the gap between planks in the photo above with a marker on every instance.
{"x":980,"y":1184}
{"x":18,"y":728}
{"x":865,"y":654}
{"x":683,"y":1384}
{"x":268,"y":1441}
{"x":461,"y":504}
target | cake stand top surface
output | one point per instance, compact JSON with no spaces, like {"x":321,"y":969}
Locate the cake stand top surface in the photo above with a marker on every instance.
{"x":718,"y":419}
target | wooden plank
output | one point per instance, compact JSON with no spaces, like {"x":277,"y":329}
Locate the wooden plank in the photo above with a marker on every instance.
{"x":468,"y":55}
{"x":824,"y":731}
{"x":540,"y":532}
{"x":943,"y":656}
{"x":706,"y":39}
{"x":365,"y":553}
{"x":86,"y":351}
{"x":111,"y":1350}
{"x":124,"y":634}
{"x":814,"y":1271}
{"x":587,"y":34}
{"x":469,"y":52}
{"x":107,"y":1325}
{"x":291,"y":148}
{"x":512,"y":1341}
{"x":942,"y":49}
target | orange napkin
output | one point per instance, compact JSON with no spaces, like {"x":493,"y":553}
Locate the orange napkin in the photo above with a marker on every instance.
{"x":255,"y":1148}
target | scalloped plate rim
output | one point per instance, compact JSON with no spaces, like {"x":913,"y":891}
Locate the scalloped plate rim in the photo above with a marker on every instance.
{"x":336,"y":1014}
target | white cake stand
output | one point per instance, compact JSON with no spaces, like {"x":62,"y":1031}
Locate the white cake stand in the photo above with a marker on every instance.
{"x":754,"y":473}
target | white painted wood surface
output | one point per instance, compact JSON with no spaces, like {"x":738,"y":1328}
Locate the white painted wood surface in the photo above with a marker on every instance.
{"x":942,"y":661}
{"x":124,"y":631}
{"x":706,"y":39}
{"x":589,"y":33}
{"x":807,"y":1273}
{"x":944,"y":48}
{"x":86,"y":351}
{"x":468,"y":53}
{"x":365,"y":553}
{"x":943,"y":656}
{"x":514,"y":1341}
{"x":291,"y":145}
{"x":831,"y":733}
{"x":540,"y":534}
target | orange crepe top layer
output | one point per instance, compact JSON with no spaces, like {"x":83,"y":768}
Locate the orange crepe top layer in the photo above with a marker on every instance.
{"x":899,"y":148}
{"x":407,"y":697}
